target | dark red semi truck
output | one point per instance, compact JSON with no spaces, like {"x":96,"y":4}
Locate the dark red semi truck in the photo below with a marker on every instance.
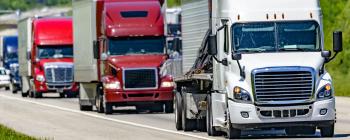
{"x":46,"y":56}
{"x":120,"y":49}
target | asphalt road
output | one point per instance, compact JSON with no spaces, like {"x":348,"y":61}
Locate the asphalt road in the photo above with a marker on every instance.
{"x":60,"y":119}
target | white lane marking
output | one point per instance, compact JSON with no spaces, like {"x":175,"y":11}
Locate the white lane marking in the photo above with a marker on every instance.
{"x":106,"y":118}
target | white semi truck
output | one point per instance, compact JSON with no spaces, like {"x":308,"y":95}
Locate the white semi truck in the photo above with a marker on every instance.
{"x":253,"y":64}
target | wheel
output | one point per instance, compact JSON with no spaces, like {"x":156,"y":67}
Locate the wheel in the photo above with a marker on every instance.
{"x":187,"y":124}
{"x":210,"y":128}
{"x":158,"y":107}
{"x":178,"y":111}
{"x":37,"y":94}
{"x":327,"y":131}
{"x":7,"y":88}
{"x":62,"y":95}
{"x":169,"y":107}
{"x":71,"y":94}
{"x":108,"y":108}
{"x":233,"y":133}
{"x":13,"y":89}
{"x":24,"y":94}
{"x":202,"y":125}
{"x":306,"y":130}
{"x":84,"y":107}
{"x":99,"y":103}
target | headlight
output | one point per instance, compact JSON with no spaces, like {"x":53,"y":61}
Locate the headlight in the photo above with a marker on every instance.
{"x":113,"y":85}
{"x":241,"y":95}
{"x":167,"y":84}
{"x":325,"y":92}
{"x":40,"y":78}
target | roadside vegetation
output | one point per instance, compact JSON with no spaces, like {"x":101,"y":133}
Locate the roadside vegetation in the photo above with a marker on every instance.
{"x":9,"y":134}
{"x":336,"y":15}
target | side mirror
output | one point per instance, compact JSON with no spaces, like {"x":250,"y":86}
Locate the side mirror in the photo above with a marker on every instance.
{"x":236,"y":56}
{"x":337,"y":41}
{"x":104,"y":56}
{"x":326,"y":54}
{"x":96,"y":49}
{"x":212,"y":48}
{"x":176,"y":44}
{"x":28,"y":56}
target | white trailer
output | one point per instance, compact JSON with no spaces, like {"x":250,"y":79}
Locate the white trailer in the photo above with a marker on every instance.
{"x":25,"y":41}
{"x":252,"y":64}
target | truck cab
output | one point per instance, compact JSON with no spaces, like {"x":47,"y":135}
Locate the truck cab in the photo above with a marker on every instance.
{"x":10,"y":60}
{"x":263,"y":67}
{"x":129,"y":49}
{"x":50,"y":57}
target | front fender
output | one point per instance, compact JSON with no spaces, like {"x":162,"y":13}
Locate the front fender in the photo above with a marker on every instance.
{"x":233,"y":80}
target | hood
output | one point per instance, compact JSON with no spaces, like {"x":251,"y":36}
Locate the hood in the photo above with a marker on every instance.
{"x":136,"y":61}
{"x":59,"y":60}
{"x":288,"y":59}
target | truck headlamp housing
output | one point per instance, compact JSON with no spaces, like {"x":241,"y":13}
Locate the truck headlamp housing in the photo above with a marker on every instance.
{"x":241,"y":94}
{"x":40,"y":78}
{"x":326,"y":92}
{"x":113,"y":85}
{"x":167,"y":84}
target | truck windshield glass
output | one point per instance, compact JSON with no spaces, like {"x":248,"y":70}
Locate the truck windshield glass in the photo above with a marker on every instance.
{"x":13,"y":56}
{"x":276,"y":36}
{"x":125,"y":46}
{"x":61,"y":51}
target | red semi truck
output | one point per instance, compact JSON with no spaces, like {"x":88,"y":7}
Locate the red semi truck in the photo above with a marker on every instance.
{"x":119,"y":51}
{"x":46,"y":56}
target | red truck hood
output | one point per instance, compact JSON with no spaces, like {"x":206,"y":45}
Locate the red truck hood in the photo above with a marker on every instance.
{"x":58,"y":60}
{"x":137,"y":61}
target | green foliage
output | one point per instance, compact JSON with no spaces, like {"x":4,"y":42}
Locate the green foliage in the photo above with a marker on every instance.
{"x":9,"y":134}
{"x":336,"y":16}
{"x":172,"y":3}
{"x":30,"y":4}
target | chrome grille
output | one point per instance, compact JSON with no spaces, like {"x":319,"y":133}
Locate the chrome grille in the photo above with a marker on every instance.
{"x":59,"y":73}
{"x":140,"y":79}
{"x":283,"y":84}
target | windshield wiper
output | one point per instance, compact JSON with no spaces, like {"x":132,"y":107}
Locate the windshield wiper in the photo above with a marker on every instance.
{"x":252,"y":50}
{"x":294,"y":49}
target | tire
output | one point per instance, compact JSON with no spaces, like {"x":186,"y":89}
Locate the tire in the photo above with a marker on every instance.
{"x":84,"y":107}
{"x":24,"y":94}
{"x":108,"y":108}
{"x":327,"y":131}
{"x":99,"y":103}
{"x":233,"y":133}
{"x":38,"y":95}
{"x":169,"y":107}
{"x":178,"y":111}
{"x":209,"y":119}
{"x":7,"y":88}
{"x":307,"y":130}
{"x":187,"y":124}
{"x":62,"y":95}
{"x":158,"y":107}
{"x":202,"y":125}
{"x":13,"y":88}
{"x":71,"y":94}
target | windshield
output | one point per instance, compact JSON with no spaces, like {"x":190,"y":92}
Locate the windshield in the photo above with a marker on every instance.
{"x":12,"y":56}
{"x":124,"y":46}
{"x":2,"y":72}
{"x":276,"y":36}
{"x":62,"y":51}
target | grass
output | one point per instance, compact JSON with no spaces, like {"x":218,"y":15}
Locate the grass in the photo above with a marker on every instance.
{"x":336,"y":16}
{"x":9,"y":134}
